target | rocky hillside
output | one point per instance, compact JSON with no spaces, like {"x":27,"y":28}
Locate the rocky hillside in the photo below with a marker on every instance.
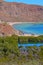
{"x":12,"y":12}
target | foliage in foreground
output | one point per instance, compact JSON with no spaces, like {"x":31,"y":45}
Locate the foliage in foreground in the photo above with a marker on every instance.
{"x":8,"y":45}
{"x":10,"y":53}
{"x":30,"y":39}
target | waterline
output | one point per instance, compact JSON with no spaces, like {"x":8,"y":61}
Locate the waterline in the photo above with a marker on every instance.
{"x":25,"y":45}
{"x":30,"y":28}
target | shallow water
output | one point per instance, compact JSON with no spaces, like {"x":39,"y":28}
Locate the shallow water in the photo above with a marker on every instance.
{"x":30,"y":28}
{"x":25,"y":45}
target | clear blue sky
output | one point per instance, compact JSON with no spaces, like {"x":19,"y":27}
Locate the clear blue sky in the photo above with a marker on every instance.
{"x":37,"y":2}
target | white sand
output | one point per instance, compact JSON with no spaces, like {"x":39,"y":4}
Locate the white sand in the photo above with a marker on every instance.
{"x":20,"y":33}
{"x":29,"y":35}
{"x":12,"y":23}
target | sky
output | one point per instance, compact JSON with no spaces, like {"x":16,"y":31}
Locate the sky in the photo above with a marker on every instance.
{"x":36,"y":2}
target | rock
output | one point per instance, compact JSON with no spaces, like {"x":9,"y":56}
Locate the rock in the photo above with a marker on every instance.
{"x":12,"y":12}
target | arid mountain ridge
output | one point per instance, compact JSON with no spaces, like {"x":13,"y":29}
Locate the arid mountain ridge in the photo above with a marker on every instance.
{"x":19,"y":12}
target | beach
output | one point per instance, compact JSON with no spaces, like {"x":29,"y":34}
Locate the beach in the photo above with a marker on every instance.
{"x":20,"y":33}
{"x":12,"y":23}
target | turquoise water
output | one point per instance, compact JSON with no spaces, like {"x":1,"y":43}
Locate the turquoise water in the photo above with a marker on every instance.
{"x":25,"y":45}
{"x":30,"y":28}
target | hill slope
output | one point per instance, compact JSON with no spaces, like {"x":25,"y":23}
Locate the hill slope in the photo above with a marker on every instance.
{"x":12,"y":12}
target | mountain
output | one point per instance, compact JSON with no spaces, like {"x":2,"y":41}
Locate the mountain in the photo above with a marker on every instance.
{"x":16,"y":12}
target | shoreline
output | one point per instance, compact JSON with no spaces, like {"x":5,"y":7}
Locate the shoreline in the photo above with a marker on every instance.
{"x":20,"y":33}
{"x":12,"y":23}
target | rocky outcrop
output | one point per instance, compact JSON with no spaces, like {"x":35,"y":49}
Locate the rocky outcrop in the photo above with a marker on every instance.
{"x":12,"y":12}
{"x":6,"y":30}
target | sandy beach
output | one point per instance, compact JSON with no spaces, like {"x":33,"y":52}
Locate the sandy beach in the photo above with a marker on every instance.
{"x":12,"y":23}
{"x":20,"y":33}
{"x":28,"y":35}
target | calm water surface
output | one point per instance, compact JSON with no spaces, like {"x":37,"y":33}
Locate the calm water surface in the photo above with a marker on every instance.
{"x":30,"y":28}
{"x":25,"y":45}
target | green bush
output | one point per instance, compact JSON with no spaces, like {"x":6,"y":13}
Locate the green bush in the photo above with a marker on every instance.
{"x":32,"y":39}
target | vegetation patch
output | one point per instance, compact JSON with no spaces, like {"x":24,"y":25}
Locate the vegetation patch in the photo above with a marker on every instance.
{"x":11,"y":54}
{"x":30,"y":39}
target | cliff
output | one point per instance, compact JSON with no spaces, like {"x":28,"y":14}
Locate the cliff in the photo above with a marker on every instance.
{"x":15,"y":12}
